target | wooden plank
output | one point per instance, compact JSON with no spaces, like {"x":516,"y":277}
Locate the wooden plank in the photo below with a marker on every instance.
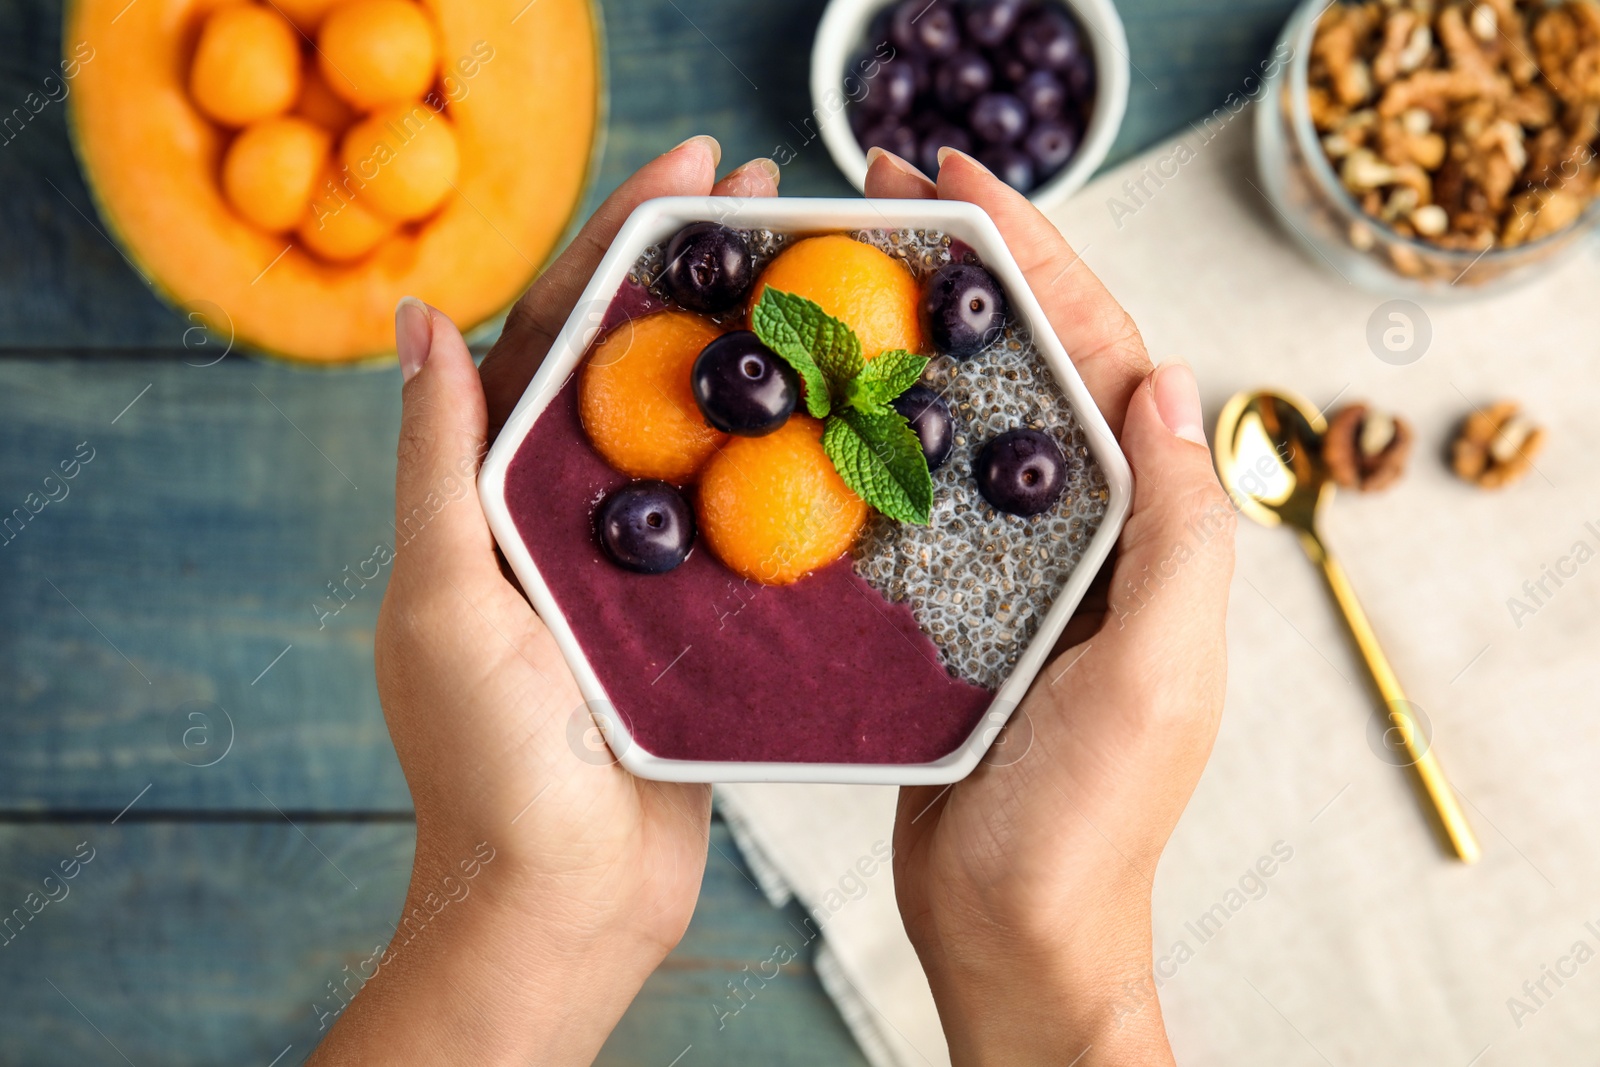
{"x":734,"y":69}
{"x":61,"y":280}
{"x":185,"y":557}
{"x":209,"y":943}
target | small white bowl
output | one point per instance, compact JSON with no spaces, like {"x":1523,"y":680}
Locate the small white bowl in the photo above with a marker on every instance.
{"x":843,"y":31}
{"x":653,"y":222}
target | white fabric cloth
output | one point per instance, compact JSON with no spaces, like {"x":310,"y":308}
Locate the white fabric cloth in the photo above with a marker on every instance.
{"x":1365,"y":944}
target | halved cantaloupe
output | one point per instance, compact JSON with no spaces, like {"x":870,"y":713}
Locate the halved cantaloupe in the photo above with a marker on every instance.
{"x":523,"y":89}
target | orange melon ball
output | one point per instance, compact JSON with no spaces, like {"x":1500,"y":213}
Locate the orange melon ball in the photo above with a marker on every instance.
{"x":246,"y":65}
{"x":635,"y":400}
{"x":337,"y":227}
{"x":774,"y":509}
{"x":407,"y":158}
{"x":321,"y":104}
{"x":271,"y":168}
{"x":377,"y":52}
{"x":874,"y":294}
{"x":306,"y":15}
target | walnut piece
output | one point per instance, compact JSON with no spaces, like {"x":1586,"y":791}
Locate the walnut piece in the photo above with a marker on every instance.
{"x":1482,"y":115}
{"x":1496,"y":446}
{"x":1366,"y":449}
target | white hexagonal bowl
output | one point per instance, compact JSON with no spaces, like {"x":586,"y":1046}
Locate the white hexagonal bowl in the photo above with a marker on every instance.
{"x":652,"y":223}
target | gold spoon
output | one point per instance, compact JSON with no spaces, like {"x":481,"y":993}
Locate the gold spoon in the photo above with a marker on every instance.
{"x":1269,"y":454}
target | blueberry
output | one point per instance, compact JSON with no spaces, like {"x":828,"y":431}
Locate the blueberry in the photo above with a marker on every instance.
{"x":963,"y":309}
{"x":1079,"y":76}
{"x":990,"y":21}
{"x":903,"y":19}
{"x":1009,"y":69}
{"x":891,"y":135}
{"x":742,"y":387}
{"x":961,"y":78}
{"x":1050,"y":144}
{"x":645,"y":526}
{"x":998,"y":118}
{"x":1049,"y":39}
{"x":1021,"y":472}
{"x":1011,"y":165}
{"x":894,"y":90}
{"x":937,"y":137}
{"x":930,"y":418}
{"x":709,"y":267}
{"x":1042,"y":94}
{"x":924,"y":27}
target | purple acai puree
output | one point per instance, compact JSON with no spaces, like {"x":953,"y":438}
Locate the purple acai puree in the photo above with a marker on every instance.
{"x":703,"y":665}
{"x":632,"y":301}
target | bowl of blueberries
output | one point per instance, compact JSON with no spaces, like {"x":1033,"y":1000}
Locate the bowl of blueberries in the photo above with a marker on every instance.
{"x":1033,"y":89}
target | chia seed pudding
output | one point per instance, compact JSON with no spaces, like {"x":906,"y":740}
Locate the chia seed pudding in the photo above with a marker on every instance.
{"x":980,"y":582}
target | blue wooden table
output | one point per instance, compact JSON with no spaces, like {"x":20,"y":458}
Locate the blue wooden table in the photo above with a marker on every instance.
{"x":178,"y":720}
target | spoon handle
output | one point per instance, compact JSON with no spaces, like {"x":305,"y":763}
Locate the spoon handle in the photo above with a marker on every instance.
{"x":1418,"y":748}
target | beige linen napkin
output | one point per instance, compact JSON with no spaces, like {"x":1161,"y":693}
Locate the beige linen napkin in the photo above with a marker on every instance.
{"x":1303,"y":912}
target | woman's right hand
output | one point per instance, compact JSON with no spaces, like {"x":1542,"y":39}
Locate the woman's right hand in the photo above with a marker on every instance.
{"x":1026,"y":887}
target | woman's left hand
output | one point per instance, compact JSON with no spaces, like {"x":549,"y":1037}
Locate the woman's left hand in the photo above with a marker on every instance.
{"x":548,"y":882}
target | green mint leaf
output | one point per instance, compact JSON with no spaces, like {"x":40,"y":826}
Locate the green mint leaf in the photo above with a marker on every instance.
{"x":778,"y":319}
{"x":883,"y":379}
{"x":823,"y":350}
{"x":879,"y":457}
{"x":835,"y":347}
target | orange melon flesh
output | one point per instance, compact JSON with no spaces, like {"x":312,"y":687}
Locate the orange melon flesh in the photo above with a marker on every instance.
{"x":246,"y":65}
{"x":874,"y":294}
{"x":271,"y":168}
{"x":338,"y":227}
{"x":406,"y":156}
{"x":636,"y":402}
{"x":525,"y":130}
{"x":321,"y":104}
{"x":774,"y":509}
{"x":377,"y":52}
{"x":306,"y":15}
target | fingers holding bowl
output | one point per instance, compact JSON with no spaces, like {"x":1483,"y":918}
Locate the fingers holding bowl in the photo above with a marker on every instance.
{"x":1097,"y":333}
{"x":891,"y":178}
{"x":758,"y":177}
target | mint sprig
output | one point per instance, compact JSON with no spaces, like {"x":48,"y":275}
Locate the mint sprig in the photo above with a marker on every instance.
{"x":885,"y":378}
{"x":872,"y":446}
{"x":879,"y":457}
{"x":784,"y":324}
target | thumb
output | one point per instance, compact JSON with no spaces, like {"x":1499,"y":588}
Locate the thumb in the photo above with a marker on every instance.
{"x":1175,"y":557}
{"x":438,"y":520}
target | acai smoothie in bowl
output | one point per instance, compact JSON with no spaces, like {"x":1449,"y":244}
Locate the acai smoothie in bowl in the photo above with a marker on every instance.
{"x":806,"y":490}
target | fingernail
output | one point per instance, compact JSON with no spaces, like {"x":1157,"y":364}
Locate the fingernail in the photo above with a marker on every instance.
{"x":413,"y":335}
{"x":875,"y":153}
{"x":764,"y":165}
{"x":711,"y":146}
{"x":946,"y":152}
{"x":1178,"y":400}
